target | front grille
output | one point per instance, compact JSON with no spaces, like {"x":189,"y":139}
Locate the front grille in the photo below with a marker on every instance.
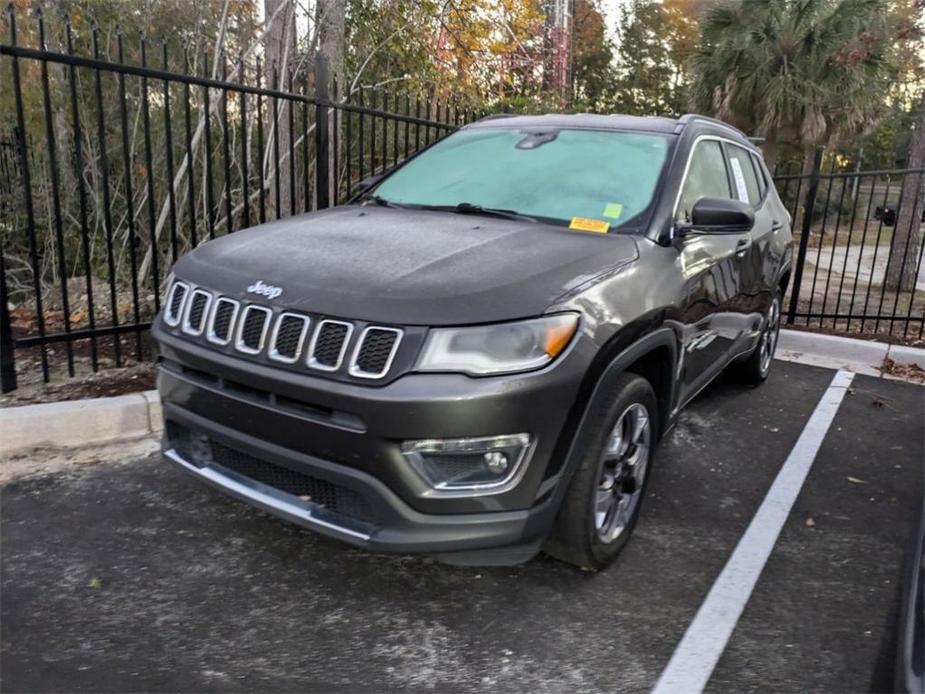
{"x":223,"y":320}
{"x":175,"y":303}
{"x":334,"y":497}
{"x":196,"y":313}
{"x":253,"y":329}
{"x":375,"y":352}
{"x":329,"y":345}
{"x":288,"y":337}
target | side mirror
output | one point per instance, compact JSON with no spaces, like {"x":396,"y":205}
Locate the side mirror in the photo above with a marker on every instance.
{"x":719,"y":216}
{"x":365,"y":184}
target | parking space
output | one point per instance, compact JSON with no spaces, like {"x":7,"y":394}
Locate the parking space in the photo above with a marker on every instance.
{"x":134,"y":577}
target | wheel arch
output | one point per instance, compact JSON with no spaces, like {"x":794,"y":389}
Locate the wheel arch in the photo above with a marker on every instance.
{"x":652,"y":356}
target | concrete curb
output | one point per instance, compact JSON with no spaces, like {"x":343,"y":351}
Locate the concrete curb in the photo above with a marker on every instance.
{"x":78,"y":423}
{"x":851,"y":354}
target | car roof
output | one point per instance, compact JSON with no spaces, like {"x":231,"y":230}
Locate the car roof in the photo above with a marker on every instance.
{"x":593,"y":121}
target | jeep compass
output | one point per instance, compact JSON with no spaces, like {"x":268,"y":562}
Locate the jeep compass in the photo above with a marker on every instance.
{"x":476,"y":357}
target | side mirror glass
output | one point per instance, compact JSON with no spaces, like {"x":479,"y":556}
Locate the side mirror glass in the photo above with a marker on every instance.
{"x":719,"y":216}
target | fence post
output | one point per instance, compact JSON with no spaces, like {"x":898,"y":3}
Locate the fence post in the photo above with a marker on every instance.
{"x":322,"y":198}
{"x":808,"y":206}
{"x":7,"y":358}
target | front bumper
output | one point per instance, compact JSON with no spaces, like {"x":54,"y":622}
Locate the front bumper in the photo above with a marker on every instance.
{"x":344,"y":436}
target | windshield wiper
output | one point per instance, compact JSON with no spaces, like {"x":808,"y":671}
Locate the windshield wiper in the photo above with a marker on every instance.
{"x":470,"y":208}
{"x":379,"y":200}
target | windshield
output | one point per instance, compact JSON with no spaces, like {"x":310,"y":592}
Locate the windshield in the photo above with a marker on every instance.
{"x":554,"y":174}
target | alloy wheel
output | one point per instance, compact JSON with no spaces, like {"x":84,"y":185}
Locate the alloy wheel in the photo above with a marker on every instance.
{"x":625,"y":459}
{"x":769,"y":336}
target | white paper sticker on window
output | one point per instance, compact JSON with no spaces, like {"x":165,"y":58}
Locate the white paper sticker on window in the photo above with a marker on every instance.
{"x":741,"y":190}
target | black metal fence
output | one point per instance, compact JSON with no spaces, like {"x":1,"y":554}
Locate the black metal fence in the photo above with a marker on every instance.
{"x":112,"y":169}
{"x":858,"y":266}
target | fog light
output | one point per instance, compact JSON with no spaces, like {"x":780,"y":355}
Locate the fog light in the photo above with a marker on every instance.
{"x":496,"y":461}
{"x":483,"y":463}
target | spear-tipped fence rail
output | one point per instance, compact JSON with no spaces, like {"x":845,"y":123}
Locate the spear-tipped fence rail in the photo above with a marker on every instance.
{"x":110,"y":169}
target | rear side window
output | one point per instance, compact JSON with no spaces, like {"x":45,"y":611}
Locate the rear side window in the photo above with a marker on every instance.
{"x":744,"y":181}
{"x":706,"y":178}
{"x":759,"y":172}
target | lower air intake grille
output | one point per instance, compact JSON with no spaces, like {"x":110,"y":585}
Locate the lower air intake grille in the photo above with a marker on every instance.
{"x":376,"y":350}
{"x":333,"y":497}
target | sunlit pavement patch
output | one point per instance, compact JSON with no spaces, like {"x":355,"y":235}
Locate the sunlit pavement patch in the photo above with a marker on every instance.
{"x":133,"y":577}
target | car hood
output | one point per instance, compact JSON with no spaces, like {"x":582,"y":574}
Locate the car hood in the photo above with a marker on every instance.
{"x":411,"y":267}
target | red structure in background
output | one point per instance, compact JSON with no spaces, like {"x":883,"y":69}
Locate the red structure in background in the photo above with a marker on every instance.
{"x":560,"y":46}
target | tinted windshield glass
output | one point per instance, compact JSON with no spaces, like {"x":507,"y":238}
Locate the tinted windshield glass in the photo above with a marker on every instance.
{"x":546,"y":173}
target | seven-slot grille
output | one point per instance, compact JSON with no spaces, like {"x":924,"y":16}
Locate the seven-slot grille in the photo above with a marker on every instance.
{"x":253,"y":327}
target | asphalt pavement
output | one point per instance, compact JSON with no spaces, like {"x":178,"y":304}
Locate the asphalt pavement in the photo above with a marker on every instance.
{"x":130,"y":576}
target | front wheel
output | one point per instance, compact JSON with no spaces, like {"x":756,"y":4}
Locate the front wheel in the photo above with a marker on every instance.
{"x":755,"y":369}
{"x":603,"y":500}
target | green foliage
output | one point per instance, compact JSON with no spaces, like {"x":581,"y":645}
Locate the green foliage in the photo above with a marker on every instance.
{"x":794,"y":70}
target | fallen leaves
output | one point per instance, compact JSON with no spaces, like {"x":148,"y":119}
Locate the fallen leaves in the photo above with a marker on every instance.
{"x":910,"y":372}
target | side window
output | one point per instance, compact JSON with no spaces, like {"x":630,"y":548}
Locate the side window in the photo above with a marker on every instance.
{"x":759,"y":171}
{"x":706,"y":178}
{"x":745,"y":184}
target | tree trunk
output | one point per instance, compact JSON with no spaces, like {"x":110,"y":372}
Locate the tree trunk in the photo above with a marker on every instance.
{"x":904,"y":249}
{"x":331,"y":32}
{"x":279,"y":39}
{"x":809,"y":156}
{"x":771,"y":150}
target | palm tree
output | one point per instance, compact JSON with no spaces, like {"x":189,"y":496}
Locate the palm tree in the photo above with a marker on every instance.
{"x":798,"y":71}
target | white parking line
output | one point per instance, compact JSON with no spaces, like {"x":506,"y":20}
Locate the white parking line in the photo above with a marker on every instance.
{"x":705,"y":640}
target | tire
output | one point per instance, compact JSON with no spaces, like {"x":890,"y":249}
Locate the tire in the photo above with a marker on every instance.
{"x":754,"y":370}
{"x":588,"y":531}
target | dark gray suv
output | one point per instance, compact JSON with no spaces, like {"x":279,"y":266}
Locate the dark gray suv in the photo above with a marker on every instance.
{"x":477,"y":357}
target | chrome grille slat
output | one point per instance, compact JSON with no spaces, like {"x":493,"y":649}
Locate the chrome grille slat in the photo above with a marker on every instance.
{"x":252,"y":329}
{"x":374,"y":352}
{"x":175,"y":303}
{"x":222,"y":321}
{"x":329,"y":345}
{"x":288,"y":336}
{"x":196,"y":312}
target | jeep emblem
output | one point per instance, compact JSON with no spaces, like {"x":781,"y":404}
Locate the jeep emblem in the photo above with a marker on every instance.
{"x":267,"y":290}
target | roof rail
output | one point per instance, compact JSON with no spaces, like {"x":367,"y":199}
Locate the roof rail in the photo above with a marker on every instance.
{"x":684,"y":120}
{"x":494,"y":116}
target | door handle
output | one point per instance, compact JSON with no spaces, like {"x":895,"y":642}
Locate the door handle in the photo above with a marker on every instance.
{"x":776,"y":225}
{"x":742,"y":247}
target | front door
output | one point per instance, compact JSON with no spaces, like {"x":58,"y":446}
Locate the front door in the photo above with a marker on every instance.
{"x":713,"y":314}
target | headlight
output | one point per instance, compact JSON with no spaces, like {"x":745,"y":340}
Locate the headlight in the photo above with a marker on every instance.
{"x":499,"y":348}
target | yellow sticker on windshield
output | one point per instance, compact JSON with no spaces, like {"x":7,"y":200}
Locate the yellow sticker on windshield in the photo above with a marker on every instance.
{"x":587,"y":224}
{"x":613,"y":210}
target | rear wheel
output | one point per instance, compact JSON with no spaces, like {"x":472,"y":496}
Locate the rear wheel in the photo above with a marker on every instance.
{"x":604,"y":498}
{"x":755,"y":369}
